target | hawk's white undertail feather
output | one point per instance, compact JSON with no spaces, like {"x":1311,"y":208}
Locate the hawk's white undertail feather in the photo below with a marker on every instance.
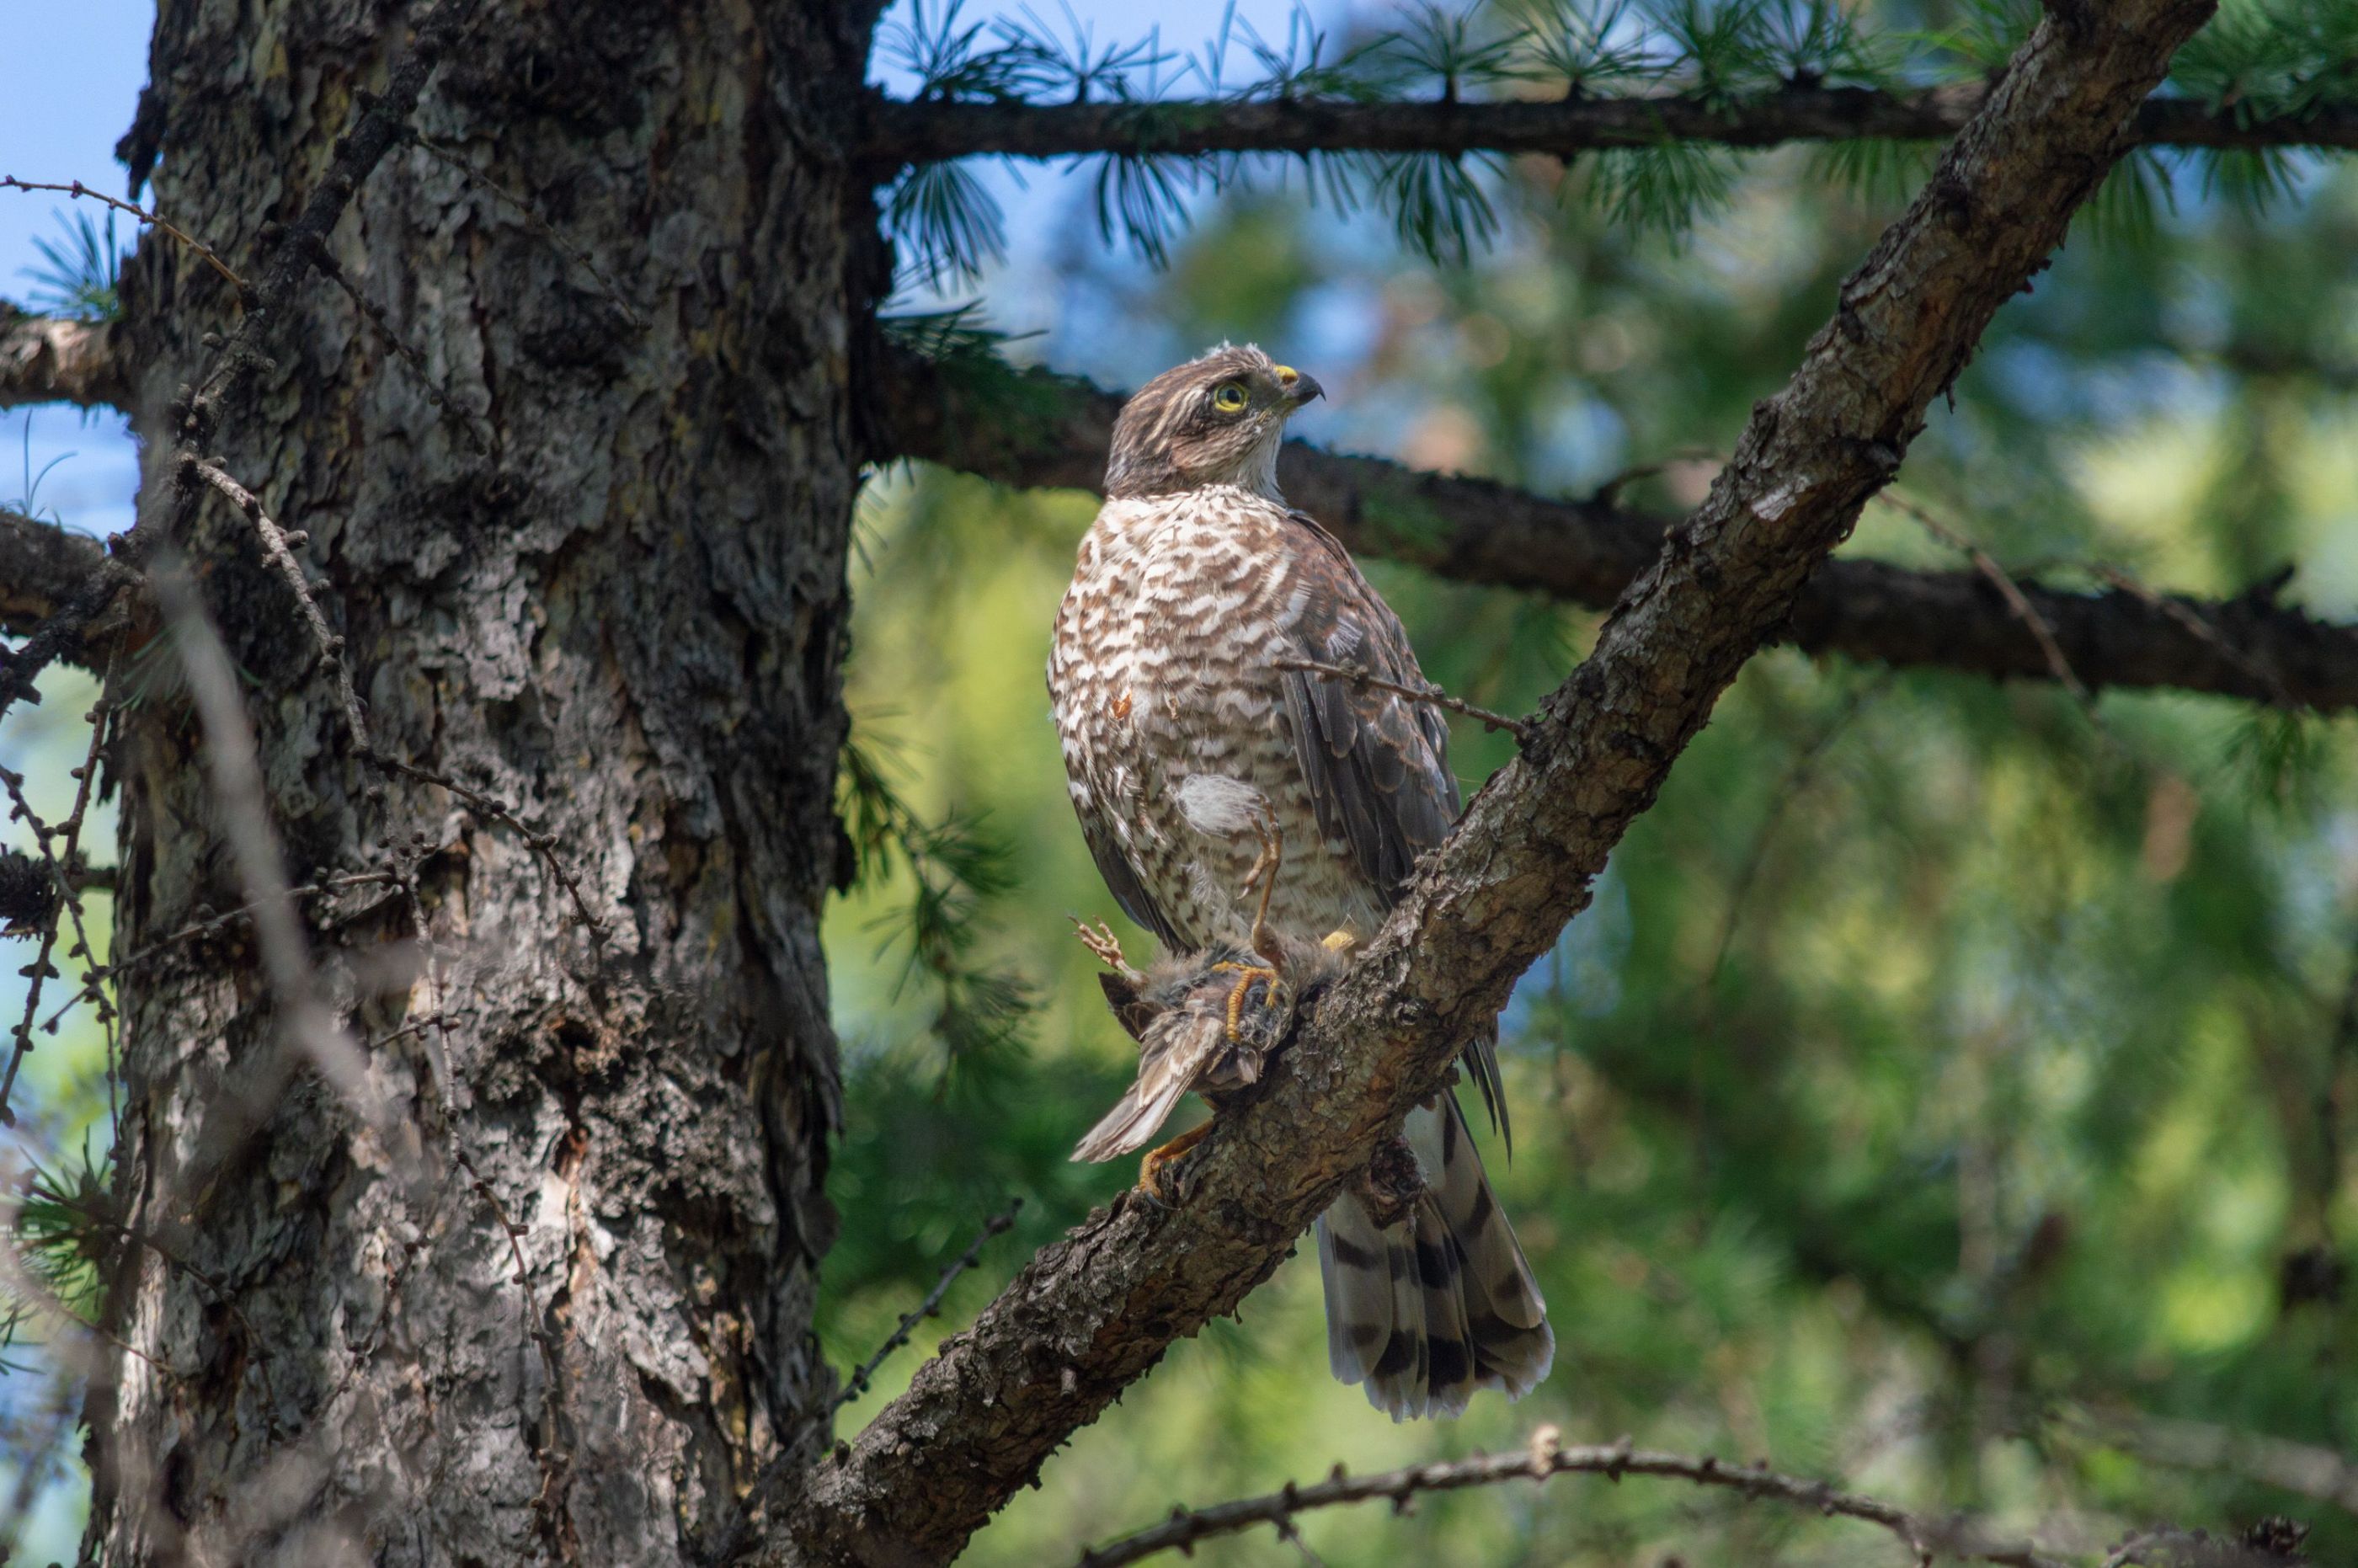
{"x":1441,"y":1304}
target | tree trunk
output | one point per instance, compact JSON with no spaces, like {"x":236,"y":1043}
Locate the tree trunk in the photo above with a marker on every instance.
{"x":585,"y":539}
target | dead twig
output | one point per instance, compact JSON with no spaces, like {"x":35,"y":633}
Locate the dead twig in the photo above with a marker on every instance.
{"x":449,"y":156}
{"x":2185,"y":615}
{"x":2010,"y":590}
{"x":1545,"y":1456}
{"x":1432,"y":695}
{"x":234,"y":760}
{"x":213,"y":1286}
{"x":278,"y":544}
{"x":61,"y":858}
{"x":75,"y":188}
{"x":1789,"y":788}
{"x":376,"y":316}
{"x":858,"y":1384}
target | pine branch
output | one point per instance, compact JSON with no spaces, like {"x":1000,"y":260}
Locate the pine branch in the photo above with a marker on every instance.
{"x":1090,"y":1314}
{"x":1035,"y":428}
{"x":902,"y":133}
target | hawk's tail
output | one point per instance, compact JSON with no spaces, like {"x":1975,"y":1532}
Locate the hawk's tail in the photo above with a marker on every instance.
{"x":1442,"y":1302}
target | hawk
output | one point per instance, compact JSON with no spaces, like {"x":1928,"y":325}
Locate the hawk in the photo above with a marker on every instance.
{"x":1195,"y":589}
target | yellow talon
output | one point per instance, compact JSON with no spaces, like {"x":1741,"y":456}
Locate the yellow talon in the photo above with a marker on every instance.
{"x":1150,"y":1168}
{"x":1338,"y":941}
{"x":1247,"y":973}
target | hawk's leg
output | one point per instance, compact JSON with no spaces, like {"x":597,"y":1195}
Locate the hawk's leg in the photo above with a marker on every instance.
{"x":1149,"y":1168}
{"x":1101,"y":940}
{"x":1263,"y":876}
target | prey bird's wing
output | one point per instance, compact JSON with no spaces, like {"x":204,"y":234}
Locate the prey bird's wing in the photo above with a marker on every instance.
{"x":1176,"y":1049}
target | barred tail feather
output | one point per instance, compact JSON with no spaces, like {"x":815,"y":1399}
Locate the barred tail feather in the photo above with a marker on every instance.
{"x":1442,"y":1302}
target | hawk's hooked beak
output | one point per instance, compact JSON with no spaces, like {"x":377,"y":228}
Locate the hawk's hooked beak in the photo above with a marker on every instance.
{"x":1297,"y":386}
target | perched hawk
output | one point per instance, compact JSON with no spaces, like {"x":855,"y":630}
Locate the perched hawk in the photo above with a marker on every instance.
{"x":1195,"y":586}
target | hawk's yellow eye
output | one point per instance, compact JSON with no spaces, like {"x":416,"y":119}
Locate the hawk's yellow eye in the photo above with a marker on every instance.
{"x":1229,"y":399}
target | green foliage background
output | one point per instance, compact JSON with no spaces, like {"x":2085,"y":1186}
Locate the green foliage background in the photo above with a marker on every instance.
{"x":1946,"y":1081}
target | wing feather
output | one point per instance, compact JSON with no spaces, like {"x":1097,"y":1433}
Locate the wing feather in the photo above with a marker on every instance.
{"x":1377,"y":763}
{"x":1122,"y":879}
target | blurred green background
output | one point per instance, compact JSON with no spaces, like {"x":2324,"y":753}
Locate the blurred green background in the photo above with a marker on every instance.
{"x":1952,"y":1090}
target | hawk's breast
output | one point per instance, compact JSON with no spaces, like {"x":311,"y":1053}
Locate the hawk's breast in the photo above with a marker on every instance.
{"x":1163,"y":667}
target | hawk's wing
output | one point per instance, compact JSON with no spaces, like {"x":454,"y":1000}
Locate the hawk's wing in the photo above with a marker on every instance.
{"x":1377,"y":764}
{"x":1122,"y":879}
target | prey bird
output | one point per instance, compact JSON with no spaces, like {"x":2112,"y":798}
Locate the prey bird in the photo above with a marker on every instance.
{"x":1204,"y":1022}
{"x":1198,"y":596}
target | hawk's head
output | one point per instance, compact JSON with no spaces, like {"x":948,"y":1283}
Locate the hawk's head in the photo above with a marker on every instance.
{"x":1215,"y":420}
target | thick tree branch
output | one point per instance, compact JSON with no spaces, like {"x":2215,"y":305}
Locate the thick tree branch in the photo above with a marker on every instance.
{"x":47,"y":359}
{"x":1037,"y":428}
{"x":1091,"y":1313}
{"x":903,"y":132}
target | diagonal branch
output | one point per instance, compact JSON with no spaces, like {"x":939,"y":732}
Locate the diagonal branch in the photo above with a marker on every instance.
{"x":904,"y":133}
{"x":1035,"y":427}
{"x":1093,"y":1312}
{"x":47,"y":358}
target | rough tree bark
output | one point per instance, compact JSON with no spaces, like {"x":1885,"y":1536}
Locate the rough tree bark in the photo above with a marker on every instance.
{"x":601,"y":581}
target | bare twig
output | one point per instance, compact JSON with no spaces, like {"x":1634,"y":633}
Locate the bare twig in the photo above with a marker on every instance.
{"x":1928,"y":1539}
{"x":858,"y":1384}
{"x":1789,"y":788}
{"x":1431,"y":695}
{"x":95,"y":981}
{"x":235,"y":766}
{"x":1609,"y":492}
{"x":2309,"y":1469}
{"x":465,"y":421}
{"x":2197,"y":625}
{"x":61,"y":854}
{"x":450,"y":157}
{"x":212,"y":1284}
{"x":75,"y":188}
{"x":374,"y":132}
{"x":2008,"y":589}
{"x":279,"y":545}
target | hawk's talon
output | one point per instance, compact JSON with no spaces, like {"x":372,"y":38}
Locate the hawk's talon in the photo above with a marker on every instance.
{"x":1338,"y":941}
{"x":1101,"y":940}
{"x":1149,"y":1168}
{"x":1245,"y":974}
